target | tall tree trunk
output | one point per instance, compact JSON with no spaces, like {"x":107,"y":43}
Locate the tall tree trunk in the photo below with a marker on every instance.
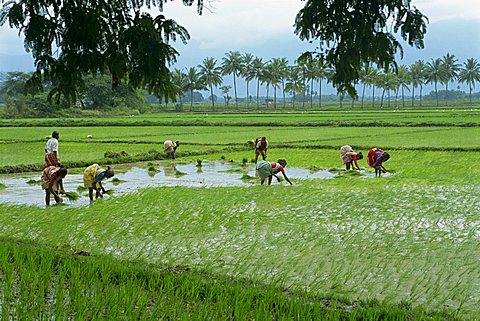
{"x":470,"y":94}
{"x":191,"y":100}
{"x":283,"y":90}
{"x":421,"y":89}
{"x":274,"y":97}
{"x":235,"y":90}
{"x":248,"y":96}
{"x":383,"y":95}
{"x":320,"y":93}
{"x":446,"y":93}
{"x":363,"y":95}
{"x":413,"y":96}
{"x":403,"y":97}
{"x":373,"y":96}
{"x":311,"y":93}
{"x":211,"y":95}
{"x":258,"y":92}
{"x":436,"y":92}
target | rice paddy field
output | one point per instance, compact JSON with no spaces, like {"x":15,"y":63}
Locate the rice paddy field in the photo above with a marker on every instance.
{"x":347,"y":246}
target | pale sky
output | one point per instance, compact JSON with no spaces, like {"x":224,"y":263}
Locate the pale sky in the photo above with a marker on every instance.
{"x":254,"y":21}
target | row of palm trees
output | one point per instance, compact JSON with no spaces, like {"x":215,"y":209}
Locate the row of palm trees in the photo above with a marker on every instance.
{"x":300,"y":78}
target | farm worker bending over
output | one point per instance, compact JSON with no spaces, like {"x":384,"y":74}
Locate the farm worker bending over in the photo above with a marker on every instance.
{"x":267,"y":170}
{"x":51,"y":176}
{"x":170,"y":147}
{"x":51,"y":155}
{"x":92,"y":177}
{"x":350,"y":157}
{"x":261,"y":145}
{"x":375,"y":159}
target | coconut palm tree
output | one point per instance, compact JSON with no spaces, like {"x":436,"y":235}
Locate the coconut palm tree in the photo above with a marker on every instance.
{"x":211,"y":75}
{"x":194,"y":83}
{"x":311,"y":74}
{"x":225,"y":89}
{"x":280,"y":67}
{"x":294,"y":83}
{"x":267,"y":76}
{"x":232,"y":64}
{"x":403,"y":80}
{"x":434,"y":73}
{"x":450,"y":71}
{"x":418,"y":75}
{"x":180,"y":82}
{"x":247,"y":72}
{"x":372,"y":80}
{"x":363,"y":76}
{"x":470,"y":74}
{"x":257,"y":72}
{"x":322,"y":72}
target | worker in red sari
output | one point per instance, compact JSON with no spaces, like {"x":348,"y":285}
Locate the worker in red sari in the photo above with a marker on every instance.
{"x":51,"y":176}
{"x":51,"y":155}
{"x":375,"y":158}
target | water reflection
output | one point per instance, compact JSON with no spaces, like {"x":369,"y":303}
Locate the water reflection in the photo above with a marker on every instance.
{"x":136,"y":176}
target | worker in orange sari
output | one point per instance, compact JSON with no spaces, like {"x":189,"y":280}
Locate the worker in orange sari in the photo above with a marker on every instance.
{"x":51,"y":155}
{"x":51,"y":176}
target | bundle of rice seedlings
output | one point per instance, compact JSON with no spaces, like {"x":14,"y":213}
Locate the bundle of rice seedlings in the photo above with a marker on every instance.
{"x":72,"y":196}
{"x":34,"y":182}
{"x":109,"y":191}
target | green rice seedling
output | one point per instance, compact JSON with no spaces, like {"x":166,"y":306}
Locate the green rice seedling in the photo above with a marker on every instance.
{"x":109,"y":191}
{"x":2,"y":186}
{"x":247,"y":177}
{"x":152,"y":169}
{"x":72,"y":196}
{"x":150,"y":164}
{"x":116,"y":181}
{"x":34,"y":182}
{"x":81,"y":189}
{"x":179,"y":173}
{"x":199,"y":163}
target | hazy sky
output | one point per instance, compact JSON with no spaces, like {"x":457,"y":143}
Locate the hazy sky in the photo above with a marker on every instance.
{"x":239,"y":23}
{"x":265,"y":28}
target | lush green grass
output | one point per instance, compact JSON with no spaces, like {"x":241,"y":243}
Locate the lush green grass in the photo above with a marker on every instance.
{"x":27,"y":148}
{"x":355,"y":118}
{"x":45,"y":283}
{"x":407,"y":239}
{"x":354,"y":238}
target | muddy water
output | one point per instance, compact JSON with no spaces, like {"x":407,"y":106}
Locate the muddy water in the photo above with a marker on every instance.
{"x":137,"y":176}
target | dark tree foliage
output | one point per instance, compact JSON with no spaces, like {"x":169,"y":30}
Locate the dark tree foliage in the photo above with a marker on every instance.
{"x":72,"y":38}
{"x":353,"y":33}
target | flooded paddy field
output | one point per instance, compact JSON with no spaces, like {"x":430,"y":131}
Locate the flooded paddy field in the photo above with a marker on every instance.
{"x":24,"y":189}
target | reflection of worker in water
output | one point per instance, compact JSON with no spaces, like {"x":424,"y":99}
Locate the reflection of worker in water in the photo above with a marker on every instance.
{"x":170,"y":147}
{"x":51,"y":176}
{"x":92,"y":179}
{"x":169,"y":169}
{"x":261,"y":145}
{"x":268,"y":169}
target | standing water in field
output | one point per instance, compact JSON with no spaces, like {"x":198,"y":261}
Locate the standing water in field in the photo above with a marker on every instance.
{"x":132,"y":177}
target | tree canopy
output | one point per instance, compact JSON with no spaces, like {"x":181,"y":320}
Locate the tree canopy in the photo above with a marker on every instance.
{"x":71,"y":38}
{"x":351,"y":33}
